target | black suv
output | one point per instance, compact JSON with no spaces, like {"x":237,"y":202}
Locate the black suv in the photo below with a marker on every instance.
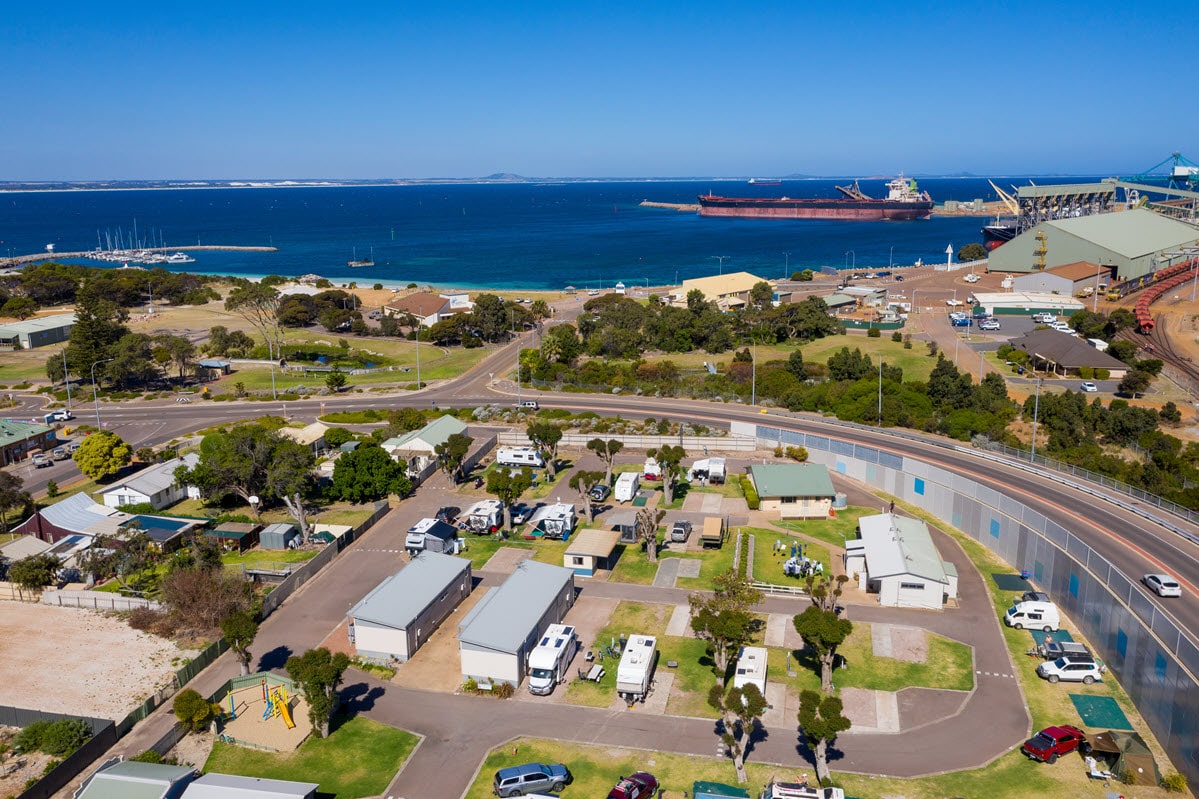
{"x":599,"y":493}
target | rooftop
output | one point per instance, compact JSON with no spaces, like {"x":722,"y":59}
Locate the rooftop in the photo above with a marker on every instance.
{"x":133,"y":780}
{"x":229,"y":786}
{"x":1065,"y":350}
{"x":307,"y":435}
{"x":152,"y":479}
{"x":399,"y":600}
{"x":1079,"y":270}
{"x":898,"y":545}
{"x":435,"y":432}
{"x":721,"y":285}
{"x":81,"y":514}
{"x":11,"y":430}
{"x":36,"y":324}
{"x":1129,"y":233}
{"x":792,"y":480}
{"x":504,"y":617}
{"x":594,"y":543}
{"x":421,"y":303}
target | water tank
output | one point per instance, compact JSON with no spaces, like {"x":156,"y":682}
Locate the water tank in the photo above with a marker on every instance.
{"x":840,"y":501}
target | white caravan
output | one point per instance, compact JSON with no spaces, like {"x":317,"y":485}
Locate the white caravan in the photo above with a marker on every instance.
{"x":626,"y":487}
{"x":519,"y":456}
{"x":550,"y":659}
{"x":636,"y":670}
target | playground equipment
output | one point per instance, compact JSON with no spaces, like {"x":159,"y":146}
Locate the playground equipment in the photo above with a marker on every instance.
{"x":276,"y":704}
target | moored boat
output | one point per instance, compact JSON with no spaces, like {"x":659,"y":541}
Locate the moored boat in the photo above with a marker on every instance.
{"x":903,"y":201}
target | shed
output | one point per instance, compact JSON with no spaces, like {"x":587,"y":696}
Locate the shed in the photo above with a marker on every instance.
{"x":1068,"y":279}
{"x":238,"y":536}
{"x":400,"y":613}
{"x":230,"y":786}
{"x":839,"y":301}
{"x":216,"y":365}
{"x":902,"y":564}
{"x":625,"y":523}
{"x":132,"y":780}
{"x":1022,"y":303}
{"x":794,"y":490}
{"x":497,"y":635}
{"x":280,"y":536}
{"x":37,"y":332}
{"x":591,"y":550}
{"x":1128,"y":754}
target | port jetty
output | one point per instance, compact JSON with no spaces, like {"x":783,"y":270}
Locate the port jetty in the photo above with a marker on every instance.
{"x":21,"y":260}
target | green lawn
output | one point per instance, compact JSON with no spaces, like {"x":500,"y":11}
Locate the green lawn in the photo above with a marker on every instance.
{"x":628,"y":618}
{"x":834,"y":530}
{"x":768,"y":564}
{"x":358,"y":759}
{"x":479,"y":549}
{"x":265,"y":557}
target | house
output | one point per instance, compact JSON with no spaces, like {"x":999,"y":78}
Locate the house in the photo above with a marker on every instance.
{"x":590,"y":551}
{"x":155,"y":485}
{"x":75,"y":515}
{"x":311,"y":436}
{"x":229,"y":786}
{"x":37,"y":332}
{"x":424,"y":442}
{"x":1062,"y":353}
{"x":495,"y":638}
{"x":238,"y":536}
{"x":895,"y":558}
{"x":18,"y":440}
{"x":794,"y":490}
{"x":727,"y":291}
{"x":429,"y":308}
{"x":132,"y":780}
{"x":398,"y":615}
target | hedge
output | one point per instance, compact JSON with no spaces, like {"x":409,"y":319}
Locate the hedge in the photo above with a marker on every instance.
{"x":751,"y":493}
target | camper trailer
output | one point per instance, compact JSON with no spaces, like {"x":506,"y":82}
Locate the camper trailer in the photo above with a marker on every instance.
{"x":710,"y":470}
{"x":626,"y":487}
{"x":433,"y":536}
{"x":712,"y":534}
{"x":651,"y":470}
{"x":556,"y":521}
{"x":751,"y":668}
{"x":483,"y":517}
{"x":550,"y":659}
{"x":636,"y":670}
{"x":519,"y":456}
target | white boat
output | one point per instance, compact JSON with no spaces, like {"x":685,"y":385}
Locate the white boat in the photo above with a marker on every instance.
{"x":180,"y":258}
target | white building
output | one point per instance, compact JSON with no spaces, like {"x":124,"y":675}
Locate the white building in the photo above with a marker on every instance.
{"x":154,"y":485}
{"x":495,"y":638}
{"x":896,"y":559}
{"x":399,"y":614}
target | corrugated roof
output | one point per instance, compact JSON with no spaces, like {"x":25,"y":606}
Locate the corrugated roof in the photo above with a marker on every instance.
{"x":594,"y":543}
{"x":24,"y":547}
{"x":155,"y":478}
{"x":80,"y":513}
{"x":722,"y":285}
{"x":435,"y":432}
{"x":1079,"y":270}
{"x":34,"y":325}
{"x":837,"y":300}
{"x":792,"y":480}
{"x":229,"y":786}
{"x":11,"y":430}
{"x":306,"y":435}
{"x":400,"y":599}
{"x":506,"y":615}
{"x":1065,"y":350}
{"x":421,"y":303}
{"x":898,"y":545}
{"x":1032,"y":300}
{"x":1129,"y":233}
{"x":133,"y":780}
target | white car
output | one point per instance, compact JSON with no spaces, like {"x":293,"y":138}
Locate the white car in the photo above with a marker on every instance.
{"x":954,"y":303}
{"x":1089,"y":387}
{"x":1072,"y":668}
{"x":1162,"y":584}
{"x":971,"y":278}
{"x":1044,"y":318}
{"x":989,"y":324}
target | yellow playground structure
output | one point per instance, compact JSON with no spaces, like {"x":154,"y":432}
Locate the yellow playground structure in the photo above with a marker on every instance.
{"x":276,"y":704}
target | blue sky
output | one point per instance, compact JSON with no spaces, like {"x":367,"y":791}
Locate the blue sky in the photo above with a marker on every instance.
{"x":572,"y":89}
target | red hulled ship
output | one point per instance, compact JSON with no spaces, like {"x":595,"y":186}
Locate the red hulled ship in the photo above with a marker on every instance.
{"x":903,"y":201}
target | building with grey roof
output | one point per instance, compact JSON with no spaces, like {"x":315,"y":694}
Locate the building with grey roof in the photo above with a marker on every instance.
{"x":497,"y":635}
{"x":154,"y":485}
{"x":132,"y":780}
{"x":37,"y":332}
{"x":1064,"y":354}
{"x":229,"y":786}
{"x":1133,"y":243}
{"x":400,"y":613}
{"x":794,"y":490}
{"x":74,"y":515}
{"x":896,"y":559}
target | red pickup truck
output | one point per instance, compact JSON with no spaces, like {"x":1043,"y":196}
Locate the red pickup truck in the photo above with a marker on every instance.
{"x":1052,"y":742}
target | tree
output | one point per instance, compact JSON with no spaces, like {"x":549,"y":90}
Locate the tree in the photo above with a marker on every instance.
{"x":99,"y":325}
{"x":740,"y":709}
{"x":545,"y":437}
{"x":369,"y":473}
{"x":821,"y":629}
{"x":133,"y":361}
{"x":34,"y":572}
{"x":647,"y":523}
{"x":240,"y":629}
{"x":451,"y":453}
{"x":102,"y":454}
{"x":199,"y":596}
{"x":248,"y":460}
{"x":194,"y":712}
{"x":507,"y":487}
{"x":821,"y":719}
{"x":318,"y":673}
{"x":761,"y":295}
{"x":336,"y":380}
{"x":336,"y":436}
{"x":607,"y":451}
{"x":179,"y":352}
{"x":259,"y":305}
{"x":725,"y":619}
{"x":12,"y":495}
{"x":583,"y":482}
{"x":1135,"y":382}
{"x":972,"y":252}
{"x":670,"y":459}
{"x":19,"y":308}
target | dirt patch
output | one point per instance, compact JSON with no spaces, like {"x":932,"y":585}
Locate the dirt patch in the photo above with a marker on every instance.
{"x":16,"y":770}
{"x":194,"y":749}
{"x":506,"y":559}
{"x":436,"y":665}
{"x":901,"y":643}
{"x":68,"y":660}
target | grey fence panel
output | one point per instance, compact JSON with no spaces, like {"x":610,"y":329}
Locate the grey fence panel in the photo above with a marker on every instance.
{"x":864,"y":453}
{"x":890,"y":460}
{"x":104,"y":735}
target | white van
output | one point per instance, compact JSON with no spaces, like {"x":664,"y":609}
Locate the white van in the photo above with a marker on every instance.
{"x":1034,"y":615}
{"x":550,"y":659}
{"x":519,"y":456}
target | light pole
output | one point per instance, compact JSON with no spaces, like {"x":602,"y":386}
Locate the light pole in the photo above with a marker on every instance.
{"x":891,"y":257}
{"x":787,"y":268}
{"x":66,"y":377}
{"x":1036,"y":408}
{"x":880,"y":391}
{"x":851,"y":259}
{"x":721,"y":259}
{"x":753,"y":376}
{"x":95,"y":394}
{"x":417,"y":342}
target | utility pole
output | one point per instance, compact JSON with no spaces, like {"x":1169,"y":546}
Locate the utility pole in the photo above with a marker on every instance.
{"x":880,"y":391}
{"x":721,"y":258}
{"x":66,"y":377}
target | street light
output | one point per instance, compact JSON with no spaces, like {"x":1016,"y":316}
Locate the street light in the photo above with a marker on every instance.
{"x":66,"y":377}
{"x":95,"y":394}
{"x":1036,"y":408}
{"x":787,"y":268}
{"x":851,"y":259}
{"x":880,"y":391}
{"x":721,"y":258}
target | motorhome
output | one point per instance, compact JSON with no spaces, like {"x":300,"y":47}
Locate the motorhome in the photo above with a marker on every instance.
{"x":519,"y":456}
{"x":431,"y":535}
{"x":550,"y":659}
{"x":1033,"y":615}
{"x":751,"y":668}
{"x":483,"y":517}
{"x":626,"y":487}
{"x":636,"y":670}
{"x":798,"y":790}
{"x":709,"y":469}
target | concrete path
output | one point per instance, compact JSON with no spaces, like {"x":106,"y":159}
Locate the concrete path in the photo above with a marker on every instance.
{"x":668,"y":571}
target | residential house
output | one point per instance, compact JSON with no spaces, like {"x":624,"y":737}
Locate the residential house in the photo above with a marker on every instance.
{"x":155,"y":485}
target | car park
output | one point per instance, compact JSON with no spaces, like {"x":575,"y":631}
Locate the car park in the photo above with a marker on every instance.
{"x":1052,"y":742}
{"x":640,"y":785}
{"x":599,"y":493}
{"x":529,"y":778}
{"x":1162,"y":584}
{"x":1089,"y":387}
{"x":988,"y":324}
{"x":1072,"y":668}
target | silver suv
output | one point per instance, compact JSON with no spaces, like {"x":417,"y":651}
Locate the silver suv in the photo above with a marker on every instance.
{"x":1072,"y":668}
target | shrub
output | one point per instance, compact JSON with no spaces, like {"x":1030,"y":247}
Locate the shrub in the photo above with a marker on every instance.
{"x":873,"y":332}
{"x":897,"y":337}
{"x":932,"y":349}
{"x":29,"y":739}
{"x":1086,"y":372}
{"x":504,"y":690}
{"x":799,"y":454}
{"x":1175,"y":782}
{"x":194,"y":711}
{"x":471,"y":686}
{"x":751,"y":494}
{"x":65,"y":736}
{"x":51,"y":489}
{"x":149,"y":756}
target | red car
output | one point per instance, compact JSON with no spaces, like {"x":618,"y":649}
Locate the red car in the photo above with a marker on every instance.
{"x":1052,"y":742}
{"x":635,"y":786}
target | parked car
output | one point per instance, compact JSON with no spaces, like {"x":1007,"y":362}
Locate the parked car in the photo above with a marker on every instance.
{"x":899,"y":278}
{"x":1044,"y":318}
{"x":1072,"y":668}
{"x":448,"y":514}
{"x":1162,"y":584}
{"x":972,"y":278}
{"x":42,"y":461}
{"x":599,"y":493}
{"x":1052,"y":742}
{"x":530,"y":778}
{"x":640,"y":785}
{"x":961,"y":321}
{"x":988,"y":324}
{"x":1089,"y":387}
{"x":681,"y":530}
{"x":60,"y":453}
{"x":521,"y":513}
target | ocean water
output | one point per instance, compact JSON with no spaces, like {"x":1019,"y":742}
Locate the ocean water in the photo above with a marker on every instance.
{"x":500,"y":236}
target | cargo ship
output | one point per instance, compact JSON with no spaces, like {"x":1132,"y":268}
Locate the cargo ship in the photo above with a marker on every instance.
{"x":903,"y":201}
